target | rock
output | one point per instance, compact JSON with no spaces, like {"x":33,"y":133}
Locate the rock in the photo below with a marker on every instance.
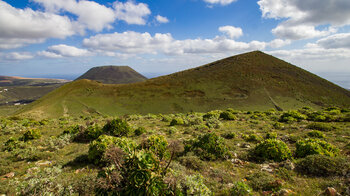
{"x":267,"y":168}
{"x":238,"y":162}
{"x":9,"y":175}
{"x":330,"y":191}
{"x":287,"y":164}
{"x":245,"y":146}
{"x":43,"y":163}
{"x":285,"y":192}
{"x":32,"y":170}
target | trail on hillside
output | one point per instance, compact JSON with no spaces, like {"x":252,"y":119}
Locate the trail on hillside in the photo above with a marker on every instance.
{"x":65,"y":108}
{"x":273,"y":101}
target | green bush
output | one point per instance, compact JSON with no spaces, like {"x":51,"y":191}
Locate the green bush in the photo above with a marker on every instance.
{"x":229,"y":135}
{"x":177,"y":121}
{"x":271,"y":149}
{"x":11,"y":144}
{"x":93,"y":132}
{"x":271,"y":135}
{"x":321,"y":126}
{"x":292,"y":116}
{"x":316,"y":134}
{"x":213,"y":123}
{"x":321,"y":165}
{"x":227,"y":116}
{"x":240,"y":189}
{"x":117,"y":127}
{"x":252,"y":138}
{"x":212,"y":114}
{"x":209,"y":147}
{"x":315,"y":146}
{"x":194,"y":185}
{"x":158,"y":145}
{"x":262,"y":181}
{"x":98,"y":147}
{"x":31,"y":134}
{"x":73,"y":130}
{"x":192,"y":162}
{"x":139,"y":131}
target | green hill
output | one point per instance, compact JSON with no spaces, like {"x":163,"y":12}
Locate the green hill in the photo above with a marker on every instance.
{"x":250,"y":81}
{"x":113,"y":75}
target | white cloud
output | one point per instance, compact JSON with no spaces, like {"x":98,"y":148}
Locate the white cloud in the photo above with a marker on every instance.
{"x":14,"y":56}
{"x":132,"y":13}
{"x":162,"y":19}
{"x":221,"y":2}
{"x":341,"y":40}
{"x":231,"y":31}
{"x":144,"y":43}
{"x":58,"y":51}
{"x":90,"y":14}
{"x":303,"y":17}
{"x":278,"y":43}
{"x":25,"y":26}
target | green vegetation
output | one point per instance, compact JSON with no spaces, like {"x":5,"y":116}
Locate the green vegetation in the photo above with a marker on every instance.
{"x":113,"y":75}
{"x":142,"y":154}
{"x":248,"y":81}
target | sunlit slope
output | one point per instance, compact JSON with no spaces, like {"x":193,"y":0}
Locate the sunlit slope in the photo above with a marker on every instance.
{"x":250,"y":81}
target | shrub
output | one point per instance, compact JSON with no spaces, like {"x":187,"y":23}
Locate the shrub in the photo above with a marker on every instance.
{"x":251,"y":138}
{"x":315,"y":146}
{"x":321,"y":126}
{"x":192,"y":162}
{"x":278,"y":125}
{"x":98,"y":147}
{"x":271,"y":149}
{"x":93,"y":132}
{"x":262,"y":181}
{"x":139,"y":131}
{"x":117,"y":127}
{"x":43,"y":182}
{"x":271,"y":135}
{"x":240,"y":189}
{"x":213,"y":123}
{"x":292,"y":116}
{"x":11,"y":144}
{"x":55,"y":143}
{"x":321,"y":165}
{"x":229,"y":135}
{"x":194,"y":185}
{"x":212,"y":114}
{"x":227,"y":116}
{"x":31,"y":134}
{"x":177,"y":121}
{"x":158,"y":145}
{"x":208,"y":146}
{"x":316,"y":134}
{"x":73,"y":130}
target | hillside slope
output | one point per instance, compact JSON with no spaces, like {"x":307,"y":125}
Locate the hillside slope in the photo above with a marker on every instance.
{"x":113,"y":75}
{"x":250,"y":81}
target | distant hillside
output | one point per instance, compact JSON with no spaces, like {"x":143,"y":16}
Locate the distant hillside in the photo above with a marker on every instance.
{"x":113,"y":75}
{"x":250,"y":81}
{"x":19,"y":90}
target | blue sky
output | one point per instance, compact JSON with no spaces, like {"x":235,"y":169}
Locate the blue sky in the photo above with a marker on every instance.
{"x":64,"y":38}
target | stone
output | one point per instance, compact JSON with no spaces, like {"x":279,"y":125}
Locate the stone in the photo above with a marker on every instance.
{"x":43,"y":163}
{"x":287,"y":164}
{"x":9,"y":175}
{"x":330,"y":191}
{"x":267,"y":168}
{"x":285,"y":192}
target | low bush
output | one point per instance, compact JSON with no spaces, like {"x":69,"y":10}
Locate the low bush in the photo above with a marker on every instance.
{"x":98,"y":147}
{"x":321,"y":126}
{"x":194,"y":185}
{"x":177,"y":121}
{"x":11,"y":144}
{"x":240,"y":189}
{"x":226,"y":115}
{"x":271,"y":149}
{"x":292,"y":116}
{"x":192,"y":162}
{"x":315,"y":146}
{"x":139,"y":131}
{"x":271,"y":135}
{"x":93,"y":132}
{"x":73,"y":130}
{"x":262,"y":181}
{"x":316,"y":134}
{"x":321,"y":165}
{"x":31,"y":134}
{"x":117,"y":127}
{"x":213,"y":123}
{"x":158,"y":145}
{"x":229,"y":135}
{"x":208,"y":147}
{"x":212,"y":114}
{"x":252,"y":138}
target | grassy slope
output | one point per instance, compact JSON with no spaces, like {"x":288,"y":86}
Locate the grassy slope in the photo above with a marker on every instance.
{"x":242,"y":82}
{"x":113,"y":75}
